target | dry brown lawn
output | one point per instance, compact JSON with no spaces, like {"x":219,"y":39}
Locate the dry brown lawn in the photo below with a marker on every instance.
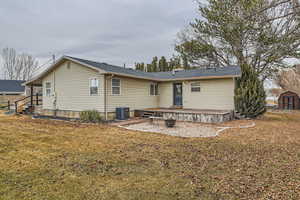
{"x":41,"y":159}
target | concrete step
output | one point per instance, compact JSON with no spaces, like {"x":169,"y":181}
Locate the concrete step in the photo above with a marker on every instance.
{"x":239,"y":116}
{"x":147,"y":114}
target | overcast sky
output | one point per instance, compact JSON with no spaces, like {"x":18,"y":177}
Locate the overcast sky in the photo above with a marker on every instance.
{"x":112,"y":31}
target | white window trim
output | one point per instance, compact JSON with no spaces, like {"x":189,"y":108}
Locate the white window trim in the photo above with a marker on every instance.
{"x":98,"y":92}
{"x":46,"y":94}
{"x":154,"y":89}
{"x":116,"y":86}
{"x":195,"y":87}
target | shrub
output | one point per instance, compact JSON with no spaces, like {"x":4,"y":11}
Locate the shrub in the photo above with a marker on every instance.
{"x":92,"y":116}
{"x":3,"y":106}
{"x":250,"y":96}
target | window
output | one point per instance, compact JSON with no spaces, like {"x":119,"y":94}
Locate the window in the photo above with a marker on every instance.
{"x":115,"y":86}
{"x":153,"y":89}
{"x":94,"y":86}
{"x":195,"y":87}
{"x":48,"y":89}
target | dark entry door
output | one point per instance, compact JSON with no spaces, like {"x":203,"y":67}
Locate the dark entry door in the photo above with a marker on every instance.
{"x":289,"y":103}
{"x":177,"y":88}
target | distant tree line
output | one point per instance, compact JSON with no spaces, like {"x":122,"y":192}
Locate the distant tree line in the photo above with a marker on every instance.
{"x":163,"y":65}
{"x":17,"y":66}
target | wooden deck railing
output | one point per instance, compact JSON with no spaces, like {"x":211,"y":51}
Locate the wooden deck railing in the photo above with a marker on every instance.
{"x":6,"y":105}
{"x":32,"y":100}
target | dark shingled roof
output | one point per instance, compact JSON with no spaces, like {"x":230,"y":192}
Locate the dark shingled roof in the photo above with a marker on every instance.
{"x":11,"y":86}
{"x":202,"y":72}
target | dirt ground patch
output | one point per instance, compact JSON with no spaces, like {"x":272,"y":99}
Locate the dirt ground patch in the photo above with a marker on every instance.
{"x":45,"y":159}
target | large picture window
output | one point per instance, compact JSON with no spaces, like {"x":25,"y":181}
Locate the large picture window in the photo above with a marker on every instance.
{"x":116,"y":86}
{"x":154,"y":89}
{"x":94,"y":86}
{"x":195,"y":87}
{"x":48,"y":89}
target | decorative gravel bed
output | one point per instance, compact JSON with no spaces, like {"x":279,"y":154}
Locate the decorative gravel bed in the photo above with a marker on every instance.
{"x":182,"y":129}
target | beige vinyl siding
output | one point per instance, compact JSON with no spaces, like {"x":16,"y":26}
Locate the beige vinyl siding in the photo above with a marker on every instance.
{"x":73,"y":92}
{"x":72,"y":88}
{"x":215,"y":94}
{"x":48,"y":101}
{"x":135,"y":94}
{"x":166,"y":95}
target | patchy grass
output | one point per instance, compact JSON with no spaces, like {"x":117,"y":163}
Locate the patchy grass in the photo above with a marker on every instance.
{"x":42,"y":159}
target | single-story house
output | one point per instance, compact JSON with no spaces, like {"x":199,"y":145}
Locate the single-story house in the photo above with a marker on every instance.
{"x":11,"y":90}
{"x":72,"y":85}
{"x":289,"y":100}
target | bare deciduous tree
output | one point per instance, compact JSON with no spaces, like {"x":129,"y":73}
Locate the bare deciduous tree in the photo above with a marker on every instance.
{"x":9,"y":57}
{"x":289,"y":79}
{"x":18,"y":66}
{"x":28,"y":65}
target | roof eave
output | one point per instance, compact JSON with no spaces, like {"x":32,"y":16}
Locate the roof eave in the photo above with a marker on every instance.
{"x":3,"y":92}
{"x":200,"y":78}
{"x":130,"y":76}
{"x":174,"y":79}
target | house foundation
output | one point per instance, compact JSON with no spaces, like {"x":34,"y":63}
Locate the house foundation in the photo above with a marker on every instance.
{"x":72,"y":114}
{"x":189,"y":115}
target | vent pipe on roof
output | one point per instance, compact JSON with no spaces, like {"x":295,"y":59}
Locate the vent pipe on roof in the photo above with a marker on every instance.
{"x":53,"y":58}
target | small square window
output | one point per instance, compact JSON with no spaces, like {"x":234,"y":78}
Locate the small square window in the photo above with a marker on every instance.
{"x":48,"y":89}
{"x":116,"y":90}
{"x":195,"y":87}
{"x":94,"y":86}
{"x":154,"y":89}
{"x":115,"y":86}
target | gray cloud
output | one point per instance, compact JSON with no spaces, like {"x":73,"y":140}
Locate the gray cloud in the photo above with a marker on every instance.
{"x":114,"y":31}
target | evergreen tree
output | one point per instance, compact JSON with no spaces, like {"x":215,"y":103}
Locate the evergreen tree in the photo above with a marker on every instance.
{"x":250,"y":95}
{"x":142,"y":66}
{"x":185,"y":63}
{"x":171,"y":65}
{"x":137,"y":66}
{"x":154,"y":64}
{"x":177,"y":62}
{"x":163,"y":64}
{"x":149,"y":68}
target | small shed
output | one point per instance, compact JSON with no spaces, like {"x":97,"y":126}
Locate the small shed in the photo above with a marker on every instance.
{"x":289,"y":101}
